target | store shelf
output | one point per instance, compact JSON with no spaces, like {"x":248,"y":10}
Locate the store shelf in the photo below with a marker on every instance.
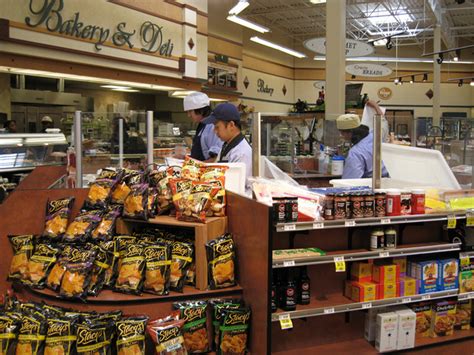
{"x":337,"y":303}
{"x":364,"y":254}
{"x":458,"y":335}
{"x":172,"y":221}
{"x":367,"y":222}
{"x":466,"y":296}
{"x":108,"y":296}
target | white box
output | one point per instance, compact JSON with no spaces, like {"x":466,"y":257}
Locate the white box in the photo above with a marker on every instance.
{"x":371,"y":322}
{"x":386,"y":332}
{"x":406,"y":329}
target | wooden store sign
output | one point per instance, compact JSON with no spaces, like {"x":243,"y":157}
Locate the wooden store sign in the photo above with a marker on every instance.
{"x":50,"y":14}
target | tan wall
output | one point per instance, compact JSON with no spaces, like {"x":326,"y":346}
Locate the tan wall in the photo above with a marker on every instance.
{"x":5,"y":95}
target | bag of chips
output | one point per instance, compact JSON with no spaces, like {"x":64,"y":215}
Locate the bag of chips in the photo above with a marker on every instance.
{"x":77,"y":277}
{"x":123,"y":188}
{"x":9,"y":328}
{"x":131,"y":335}
{"x":99,"y":194}
{"x":160,"y":180}
{"x":112,"y":316}
{"x":221,"y":262}
{"x":167,"y":337}
{"x":191,"y":168}
{"x":191,"y":274}
{"x":197,"y":203}
{"x":131,"y":269}
{"x":102,"y":263}
{"x":111,"y":272}
{"x":234,"y":330}
{"x":56,"y":274}
{"x":195,"y":334}
{"x":94,"y":338}
{"x":182,"y":257}
{"x":61,"y":335}
{"x":152,"y":202}
{"x":180,"y":189}
{"x":106,"y":228}
{"x":136,"y":203}
{"x":57,"y":216}
{"x":217,"y":306}
{"x":158,"y":265}
{"x":218,"y":203}
{"x":31,"y":335}
{"x":53,"y":311}
{"x":40,"y":264}
{"x":212,"y":172}
{"x":22,"y":246}
{"x":81,"y":228}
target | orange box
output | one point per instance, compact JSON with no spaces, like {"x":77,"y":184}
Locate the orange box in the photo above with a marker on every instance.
{"x":364,"y":291}
{"x":361,"y":272}
{"x":388,"y":290}
{"x":386,"y":274}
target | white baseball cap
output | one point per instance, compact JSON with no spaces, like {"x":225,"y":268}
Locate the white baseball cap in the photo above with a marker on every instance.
{"x":196,"y":100}
{"x":47,"y":119}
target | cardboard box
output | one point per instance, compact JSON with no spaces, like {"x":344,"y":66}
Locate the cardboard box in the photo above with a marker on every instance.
{"x":348,"y":288}
{"x":364,"y":291}
{"x":443,"y":317}
{"x":371,"y":322}
{"x":423,"y":318}
{"x":361,"y":271}
{"x":388,"y":290}
{"x":407,"y":286}
{"x":448,"y":274}
{"x":406,"y":329}
{"x":427,"y":272}
{"x":385,"y":274}
{"x":402,"y":265}
{"x":463,"y":315}
{"x":386,"y":332}
{"x":466,"y":281}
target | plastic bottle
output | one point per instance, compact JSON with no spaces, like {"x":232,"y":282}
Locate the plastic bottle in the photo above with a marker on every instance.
{"x":289,"y":294}
{"x":304,"y":287}
{"x":322,"y":160}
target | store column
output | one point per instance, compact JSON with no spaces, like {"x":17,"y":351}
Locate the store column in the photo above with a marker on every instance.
{"x":190,"y":42}
{"x":335,"y":67}
{"x":5,"y":96}
{"x":436,"y":77}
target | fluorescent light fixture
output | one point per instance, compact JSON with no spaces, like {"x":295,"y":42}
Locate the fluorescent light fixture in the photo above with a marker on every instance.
{"x":248,"y":24}
{"x":181,"y":93}
{"x":115,"y":87}
{"x":217,"y":100}
{"x":394,"y":60}
{"x":317,"y":1}
{"x":277,"y":47}
{"x":241,"y":6}
{"x":126,"y":90}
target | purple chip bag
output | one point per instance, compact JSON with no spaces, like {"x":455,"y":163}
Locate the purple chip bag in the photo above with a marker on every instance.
{"x":57,"y":217}
{"x":106,"y":228}
{"x":136,"y":203}
{"x":81,"y":228}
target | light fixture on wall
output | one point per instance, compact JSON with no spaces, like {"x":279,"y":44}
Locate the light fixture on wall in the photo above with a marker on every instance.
{"x":460,"y":82}
{"x":457,"y":55}
{"x":239,"y":7}
{"x":472,"y":82}
{"x":396,"y":81}
{"x":286,"y":50}
{"x":440,"y":58}
{"x":126,"y":90}
{"x":412,"y":80}
{"x":425,"y":77}
{"x":249,"y":24}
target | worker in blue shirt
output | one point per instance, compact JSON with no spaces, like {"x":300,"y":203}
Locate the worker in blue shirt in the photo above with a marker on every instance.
{"x":358,"y":163}
{"x":206,"y":144}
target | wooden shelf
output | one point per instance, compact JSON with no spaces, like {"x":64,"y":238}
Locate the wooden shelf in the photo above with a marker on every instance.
{"x":172,"y":221}
{"x":458,"y":334}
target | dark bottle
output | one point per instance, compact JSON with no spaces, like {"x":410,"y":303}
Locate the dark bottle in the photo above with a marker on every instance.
{"x":274,"y":294}
{"x":289,"y":293}
{"x":304,"y":287}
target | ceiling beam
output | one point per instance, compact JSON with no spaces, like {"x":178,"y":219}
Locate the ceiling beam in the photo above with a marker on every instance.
{"x":442,"y":20}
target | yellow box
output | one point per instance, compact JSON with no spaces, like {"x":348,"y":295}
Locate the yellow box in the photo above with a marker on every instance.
{"x":364,"y":291}
{"x":361,"y":272}
{"x":402,"y":265}
{"x":442,"y":316}
{"x":407,"y":286}
{"x":463,"y":315}
{"x":388,"y":290}
{"x":466,"y":281}
{"x":385,"y":274}
{"x":423,"y":318}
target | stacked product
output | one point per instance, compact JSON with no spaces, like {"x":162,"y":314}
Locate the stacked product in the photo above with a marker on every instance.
{"x":394,"y":329}
{"x":434,"y":275}
{"x":466,"y":276}
{"x":290,"y":287}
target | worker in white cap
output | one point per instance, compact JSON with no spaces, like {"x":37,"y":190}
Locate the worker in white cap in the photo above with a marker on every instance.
{"x":358,"y":163}
{"x":206,"y":145}
{"x":46,"y":123}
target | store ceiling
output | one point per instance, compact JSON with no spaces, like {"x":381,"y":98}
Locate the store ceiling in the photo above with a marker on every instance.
{"x":366,"y":20}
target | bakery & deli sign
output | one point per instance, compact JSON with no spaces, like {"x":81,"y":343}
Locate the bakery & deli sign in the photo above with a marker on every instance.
{"x":50,"y":14}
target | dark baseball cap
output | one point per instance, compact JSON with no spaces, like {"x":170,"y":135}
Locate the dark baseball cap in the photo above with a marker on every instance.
{"x":223,"y":112}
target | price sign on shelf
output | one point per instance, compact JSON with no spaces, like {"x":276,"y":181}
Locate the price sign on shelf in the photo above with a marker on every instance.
{"x":329,"y":311}
{"x":406,"y":300}
{"x":425,"y":297}
{"x":289,"y":227}
{"x":384,"y":254}
{"x":350,"y":223}
{"x":318,"y":225}
{"x":451,"y":222}
{"x":285,"y":321}
{"x":470,"y":218}
{"x":464,"y":259}
{"x":340,"y":264}
{"x":289,"y":263}
{"x":366,"y":305}
{"x":385,"y":221}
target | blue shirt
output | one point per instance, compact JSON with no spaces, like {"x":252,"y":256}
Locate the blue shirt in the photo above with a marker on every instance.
{"x":359,"y":160}
{"x":210,"y":142}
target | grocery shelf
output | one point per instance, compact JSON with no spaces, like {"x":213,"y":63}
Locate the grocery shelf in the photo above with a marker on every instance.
{"x":364,"y":254}
{"x":337,"y":303}
{"x":458,"y":335}
{"x":172,"y":221}
{"x":465,"y":296}
{"x":368,"y":222}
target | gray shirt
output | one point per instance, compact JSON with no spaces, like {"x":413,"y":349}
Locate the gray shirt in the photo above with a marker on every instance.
{"x":241,"y":153}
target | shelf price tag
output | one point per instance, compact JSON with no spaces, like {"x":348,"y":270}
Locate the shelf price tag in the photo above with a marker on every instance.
{"x":385,"y":221}
{"x":384,"y":254}
{"x":329,"y":311}
{"x":451,"y":222}
{"x":406,"y":300}
{"x":366,"y":305}
{"x":340,"y":264}
{"x":289,"y":263}
{"x":318,"y":225}
{"x":285,"y":321}
{"x":425,"y":297}
{"x":350,"y":223}
{"x":470,"y":219}
{"x":289,"y":227}
{"x":464,"y":259}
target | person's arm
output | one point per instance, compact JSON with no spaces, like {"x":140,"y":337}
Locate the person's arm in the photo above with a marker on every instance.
{"x":375,"y":106}
{"x":212,"y":143}
{"x":354,"y":166}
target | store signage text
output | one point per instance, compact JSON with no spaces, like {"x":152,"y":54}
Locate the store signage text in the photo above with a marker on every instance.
{"x":263,"y":88}
{"x":49,"y":13}
{"x":371,"y":70}
{"x":353,"y":48}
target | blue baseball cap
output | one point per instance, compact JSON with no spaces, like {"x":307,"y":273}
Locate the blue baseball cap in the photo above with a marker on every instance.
{"x":223,"y":112}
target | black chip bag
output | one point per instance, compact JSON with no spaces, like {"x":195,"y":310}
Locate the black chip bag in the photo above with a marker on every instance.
{"x":99,"y":194}
{"x":111,"y":272}
{"x":57,"y":216}
{"x":102,"y":263}
{"x":158,"y":267}
{"x":53,"y":281}
{"x":61,"y":335}
{"x":131,"y":269}
{"x":152,"y":202}
{"x":31,"y":335}
{"x":53,"y":311}
{"x":182,"y":258}
{"x":22,"y":246}
{"x":130,"y":333}
{"x":195,"y":333}
{"x":77,"y":277}
{"x":112,"y":316}
{"x":123,"y":187}
{"x":94,"y":338}
{"x":81,"y":228}
{"x":234,"y":331}
{"x":167,"y":336}
{"x":106,"y":227}
{"x":9,"y":328}
{"x":217,"y":306}
{"x":136,"y":203}
{"x":40,"y":264}
{"x":221,"y":262}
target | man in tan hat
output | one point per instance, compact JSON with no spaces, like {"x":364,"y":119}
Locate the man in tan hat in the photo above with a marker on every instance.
{"x":358,"y":163}
{"x":46,"y":123}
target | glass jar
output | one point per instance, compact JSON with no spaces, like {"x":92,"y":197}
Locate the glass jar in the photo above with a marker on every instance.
{"x":369,"y":201}
{"x":405,"y":203}
{"x":377,"y":239}
{"x":418,"y":201}
{"x":340,"y":205}
{"x":357,"y":204}
{"x":380,"y":200}
{"x":329,"y":207}
{"x":393,"y":203}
